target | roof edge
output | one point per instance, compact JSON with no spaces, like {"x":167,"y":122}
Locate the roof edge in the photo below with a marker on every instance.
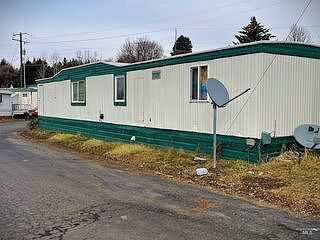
{"x":82,"y":65}
{"x":273,"y":47}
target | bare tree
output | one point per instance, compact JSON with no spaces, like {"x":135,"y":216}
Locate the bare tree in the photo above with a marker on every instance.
{"x":138,"y":50}
{"x":87,"y":56}
{"x":79,"y":56}
{"x":299,"y":34}
{"x":55,"y":58}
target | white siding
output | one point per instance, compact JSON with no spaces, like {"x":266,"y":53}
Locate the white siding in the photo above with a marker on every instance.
{"x":29,"y":99}
{"x":168,"y":103}
{"x":6,"y":105}
{"x":288,"y":94}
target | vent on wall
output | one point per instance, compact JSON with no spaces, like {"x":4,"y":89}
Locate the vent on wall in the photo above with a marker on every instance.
{"x":156,"y":75}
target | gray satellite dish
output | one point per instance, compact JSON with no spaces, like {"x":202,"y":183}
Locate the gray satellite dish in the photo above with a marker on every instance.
{"x":308,"y":135}
{"x":220,"y":98}
{"x":217,"y":92}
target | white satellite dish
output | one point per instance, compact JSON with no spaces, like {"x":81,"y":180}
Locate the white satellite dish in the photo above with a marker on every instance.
{"x":308,"y":135}
{"x":220,"y":98}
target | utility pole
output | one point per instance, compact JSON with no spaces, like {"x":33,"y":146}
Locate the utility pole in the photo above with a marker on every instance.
{"x":22,"y":52}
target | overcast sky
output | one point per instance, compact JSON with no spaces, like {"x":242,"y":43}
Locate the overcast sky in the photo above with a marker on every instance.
{"x":57,"y":26}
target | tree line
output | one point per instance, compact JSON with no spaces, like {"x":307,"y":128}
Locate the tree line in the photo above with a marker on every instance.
{"x":136,"y":50}
{"x":35,"y":69}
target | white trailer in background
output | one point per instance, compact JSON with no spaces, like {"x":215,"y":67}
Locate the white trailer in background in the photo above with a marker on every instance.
{"x":18,"y":101}
{"x":26,"y":100}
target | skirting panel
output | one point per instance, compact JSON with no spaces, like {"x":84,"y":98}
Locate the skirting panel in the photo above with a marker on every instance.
{"x":231,"y":147}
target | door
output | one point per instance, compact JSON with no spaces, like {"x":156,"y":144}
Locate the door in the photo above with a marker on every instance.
{"x":138,"y":102}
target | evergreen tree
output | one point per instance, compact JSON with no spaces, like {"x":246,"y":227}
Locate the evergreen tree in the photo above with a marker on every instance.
{"x":8,"y":74}
{"x":182,"y":45}
{"x":37,"y":69}
{"x":253,"y":32}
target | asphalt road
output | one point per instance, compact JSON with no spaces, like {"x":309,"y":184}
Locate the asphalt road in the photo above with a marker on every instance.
{"x":49,"y":193}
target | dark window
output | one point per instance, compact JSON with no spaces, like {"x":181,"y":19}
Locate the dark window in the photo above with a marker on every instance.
{"x":78,"y":92}
{"x":199,"y":78}
{"x":194,"y":83}
{"x":120,"y":86}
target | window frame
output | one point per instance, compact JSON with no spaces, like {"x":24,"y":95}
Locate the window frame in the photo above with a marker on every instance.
{"x":190,"y":83}
{"x":116,"y":101}
{"x":78,"y":102}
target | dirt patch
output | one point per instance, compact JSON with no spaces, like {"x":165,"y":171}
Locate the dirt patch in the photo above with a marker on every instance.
{"x":290,"y":181}
{"x":253,"y":184}
{"x":202,"y":205}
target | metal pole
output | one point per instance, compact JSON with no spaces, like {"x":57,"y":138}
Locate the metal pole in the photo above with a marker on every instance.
{"x":21,"y":41}
{"x":21,"y":63}
{"x":214,"y":149}
{"x":24,"y":75}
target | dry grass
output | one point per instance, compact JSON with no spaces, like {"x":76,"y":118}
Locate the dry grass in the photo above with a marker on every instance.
{"x":291,"y":181}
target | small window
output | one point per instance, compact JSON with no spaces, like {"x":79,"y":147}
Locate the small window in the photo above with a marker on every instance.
{"x":78,"y":92}
{"x":156,"y":75}
{"x":199,"y":78}
{"x":120,"y":90}
{"x":0,"y":98}
{"x":24,"y":95}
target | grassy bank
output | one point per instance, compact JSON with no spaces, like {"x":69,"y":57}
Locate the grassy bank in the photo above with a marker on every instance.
{"x":291,"y":181}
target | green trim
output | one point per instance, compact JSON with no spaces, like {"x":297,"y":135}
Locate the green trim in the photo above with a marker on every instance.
{"x":77,"y":80}
{"x":280,"y":48}
{"x":81,"y":72}
{"x":115,"y":103}
{"x":78,"y":103}
{"x":291,"y":49}
{"x":232,"y":147}
{"x":119,"y":103}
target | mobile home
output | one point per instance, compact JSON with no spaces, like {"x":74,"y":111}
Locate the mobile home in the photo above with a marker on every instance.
{"x":26,"y":100}
{"x":17,"y":101}
{"x":164,"y":102}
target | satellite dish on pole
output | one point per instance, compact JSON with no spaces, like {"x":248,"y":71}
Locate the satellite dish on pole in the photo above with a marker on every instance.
{"x":217,"y":92}
{"x":220,"y":98}
{"x":308,"y":135}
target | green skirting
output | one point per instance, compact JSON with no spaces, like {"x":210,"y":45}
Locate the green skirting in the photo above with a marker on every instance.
{"x":231,"y":147}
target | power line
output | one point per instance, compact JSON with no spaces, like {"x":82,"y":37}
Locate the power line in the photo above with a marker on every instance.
{"x":127,"y":35}
{"x":270,"y":5}
{"x":231,"y":26}
{"x":41,"y":36}
{"x":102,"y":38}
{"x":265,"y":71}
